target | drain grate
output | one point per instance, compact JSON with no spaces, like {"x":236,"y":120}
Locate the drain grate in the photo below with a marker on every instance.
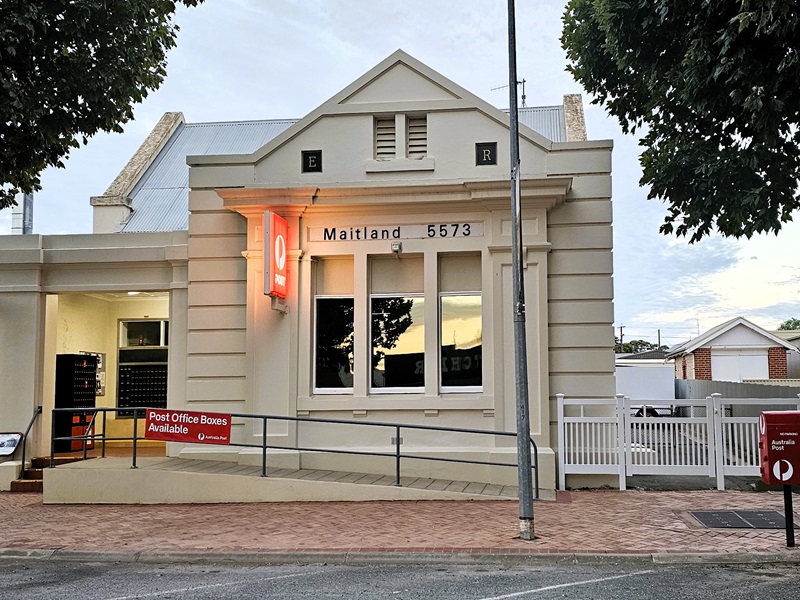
{"x":740,"y":519}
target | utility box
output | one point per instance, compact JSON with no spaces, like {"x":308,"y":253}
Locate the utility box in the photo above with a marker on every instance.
{"x":779,"y":447}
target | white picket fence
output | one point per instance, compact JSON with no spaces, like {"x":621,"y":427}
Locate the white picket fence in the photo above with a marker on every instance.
{"x":604,"y":436}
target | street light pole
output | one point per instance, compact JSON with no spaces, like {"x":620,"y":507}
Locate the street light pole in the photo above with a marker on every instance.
{"x":518,"y":291}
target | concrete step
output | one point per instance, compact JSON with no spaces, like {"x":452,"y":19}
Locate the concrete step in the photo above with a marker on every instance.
{"x":27,"y":485}
{"x":32,"y":480}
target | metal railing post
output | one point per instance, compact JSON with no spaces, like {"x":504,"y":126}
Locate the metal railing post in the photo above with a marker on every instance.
{"x":103,"y":440}
{"x":535,"y":470}
{"x":135,"y":435}
{"x":264,"y":447}
{"x":397,"y":456}
{"x":36,"y":413}
{"x":52,"y":439}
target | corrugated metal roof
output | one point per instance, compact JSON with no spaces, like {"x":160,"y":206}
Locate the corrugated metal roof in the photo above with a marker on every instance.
{"x":160,"y":198}
{"x":545,"y":120}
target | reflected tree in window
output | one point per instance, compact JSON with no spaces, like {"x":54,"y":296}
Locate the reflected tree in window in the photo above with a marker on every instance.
{"x":391,"y":318}
{"x":334,"y":359}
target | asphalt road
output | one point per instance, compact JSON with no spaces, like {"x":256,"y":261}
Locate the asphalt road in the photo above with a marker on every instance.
{"x":27,"y":579}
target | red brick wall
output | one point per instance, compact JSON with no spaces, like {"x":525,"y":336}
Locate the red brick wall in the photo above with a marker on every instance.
{"x":777,"y":363}
{"x":702,"y":363}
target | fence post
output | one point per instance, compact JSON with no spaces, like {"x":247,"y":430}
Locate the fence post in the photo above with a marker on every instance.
{"x":623,"y":439}
{"x":562,"y":440}
{"x":716,"y":440}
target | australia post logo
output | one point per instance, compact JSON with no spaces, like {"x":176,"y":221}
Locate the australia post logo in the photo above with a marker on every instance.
{"x":276,"y":233}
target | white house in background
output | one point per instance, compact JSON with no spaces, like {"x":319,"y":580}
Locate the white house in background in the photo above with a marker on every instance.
{"x":736,"y":350}
{"x":793,"y":358}
{"x":397,"y":196}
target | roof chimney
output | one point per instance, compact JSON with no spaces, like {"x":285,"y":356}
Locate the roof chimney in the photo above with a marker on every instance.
{"x":574,"y":119}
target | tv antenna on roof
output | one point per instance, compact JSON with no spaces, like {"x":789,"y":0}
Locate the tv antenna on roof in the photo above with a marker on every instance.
{"x":519,"y":83}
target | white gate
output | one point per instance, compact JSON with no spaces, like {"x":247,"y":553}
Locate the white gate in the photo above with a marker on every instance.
{"x":621,"y":437}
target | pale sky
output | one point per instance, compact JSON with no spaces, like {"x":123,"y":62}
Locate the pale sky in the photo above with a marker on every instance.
{"x":270,"y":59}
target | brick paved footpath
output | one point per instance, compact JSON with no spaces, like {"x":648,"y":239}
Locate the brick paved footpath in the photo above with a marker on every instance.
{"x":584,"y":522}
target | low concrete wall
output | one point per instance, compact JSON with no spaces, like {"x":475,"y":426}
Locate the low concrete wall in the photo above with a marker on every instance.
{"x":9,"y":471}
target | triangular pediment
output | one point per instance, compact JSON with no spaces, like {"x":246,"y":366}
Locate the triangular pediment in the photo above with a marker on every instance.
{"x":400,"y":83}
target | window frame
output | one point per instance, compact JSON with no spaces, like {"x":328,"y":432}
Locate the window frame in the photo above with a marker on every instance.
{"x":328,"y":391}
{"x":382,"y":391}
{"x":456,"y":389}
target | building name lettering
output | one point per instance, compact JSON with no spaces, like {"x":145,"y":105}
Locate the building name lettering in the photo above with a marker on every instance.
{"x":395,"y":232}
{"x":360,"y":233}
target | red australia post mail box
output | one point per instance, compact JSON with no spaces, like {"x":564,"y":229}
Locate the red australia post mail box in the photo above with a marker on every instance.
{"x":779,"y":445}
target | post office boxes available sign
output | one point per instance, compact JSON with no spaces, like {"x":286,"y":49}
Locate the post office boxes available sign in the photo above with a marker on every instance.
{"x":187,"y":426}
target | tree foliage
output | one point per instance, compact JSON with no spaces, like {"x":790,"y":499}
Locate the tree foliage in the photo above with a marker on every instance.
{"x":713,"y":85}
{"x":635,"y":346}
{"x":69,"y":69}
{"x":792,"y":324}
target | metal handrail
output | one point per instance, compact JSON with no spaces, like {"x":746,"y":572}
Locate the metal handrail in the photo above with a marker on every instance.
{"x":397,"y":454}
{"x":36,"y":413}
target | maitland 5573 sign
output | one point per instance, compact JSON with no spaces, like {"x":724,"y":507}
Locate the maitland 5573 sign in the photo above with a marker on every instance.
{"x":187,"y":426}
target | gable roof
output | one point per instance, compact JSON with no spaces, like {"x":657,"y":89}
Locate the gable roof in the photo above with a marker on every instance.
{"x":159,"y":198}
{"x":365,"y":95}
{"x":707,"y":337}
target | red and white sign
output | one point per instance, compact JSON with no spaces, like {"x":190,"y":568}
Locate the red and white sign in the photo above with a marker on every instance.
{"x":276,"y":236}
{"x":779,"y":446}
{"x":187,"y":426}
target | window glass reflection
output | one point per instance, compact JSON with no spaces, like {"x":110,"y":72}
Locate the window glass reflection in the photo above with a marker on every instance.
{"x":462,"y":347}
{"x":334,"y":349}
{"x":398,"y":343}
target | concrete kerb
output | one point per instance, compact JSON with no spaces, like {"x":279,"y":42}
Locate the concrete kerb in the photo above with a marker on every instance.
{"x":345,"y":557}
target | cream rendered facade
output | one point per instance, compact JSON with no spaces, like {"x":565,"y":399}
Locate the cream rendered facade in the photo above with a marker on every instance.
{"x":233,"y":349}
{"x":244,"y":356}
{"x":66,"y":294}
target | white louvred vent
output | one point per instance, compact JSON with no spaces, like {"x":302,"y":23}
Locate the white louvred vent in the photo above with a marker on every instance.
{"x":417,"y":137}
{"x":385,"y":138}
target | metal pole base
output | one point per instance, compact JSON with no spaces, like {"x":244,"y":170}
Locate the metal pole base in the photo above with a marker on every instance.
{"x":526,"y":529}
{"x":789,"y":515}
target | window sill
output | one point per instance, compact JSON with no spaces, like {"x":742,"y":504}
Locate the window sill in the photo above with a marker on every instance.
{"x":399,"y":164}
{"x":396,"y":402}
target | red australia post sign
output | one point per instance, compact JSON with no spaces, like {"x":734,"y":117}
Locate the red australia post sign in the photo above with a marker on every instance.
{"x":276,"y":235}
{"x":187,"y":426}
{"x":779,"y":446}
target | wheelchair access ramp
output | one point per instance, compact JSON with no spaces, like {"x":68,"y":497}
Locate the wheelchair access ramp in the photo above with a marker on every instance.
{"x":191,"y":481}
